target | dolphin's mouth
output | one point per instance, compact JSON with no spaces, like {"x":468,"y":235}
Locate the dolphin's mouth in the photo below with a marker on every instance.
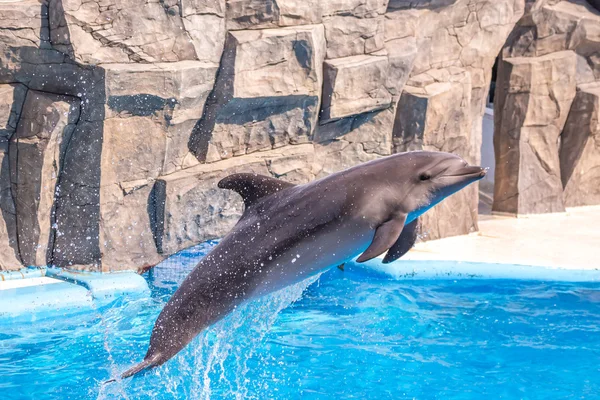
{"x":468,"y":172}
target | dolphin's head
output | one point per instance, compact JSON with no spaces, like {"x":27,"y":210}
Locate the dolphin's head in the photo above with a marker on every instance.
{"x":437,"y":175}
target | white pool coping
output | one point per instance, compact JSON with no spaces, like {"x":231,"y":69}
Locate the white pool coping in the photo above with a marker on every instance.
{"x":569,"y":240}
{"x":28,"y":298}
{"x":23,"y":283}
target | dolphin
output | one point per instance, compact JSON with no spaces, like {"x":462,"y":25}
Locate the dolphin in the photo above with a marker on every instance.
{"x":290,"y":232}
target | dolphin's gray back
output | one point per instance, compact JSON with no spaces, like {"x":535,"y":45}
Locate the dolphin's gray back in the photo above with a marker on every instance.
{"x":282,"y":237}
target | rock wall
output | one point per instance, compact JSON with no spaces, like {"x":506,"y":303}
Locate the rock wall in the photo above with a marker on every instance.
{"x":547,"y":137}
{"x":133,"y":110}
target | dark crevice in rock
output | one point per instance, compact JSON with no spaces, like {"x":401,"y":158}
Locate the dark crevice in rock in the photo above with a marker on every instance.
{"x":58,"y":13}
{"x":243,"y":111}
{"x":156,"y":212}
{"x":142,"y":105}
{"x":77,"y":210}
{"x":395,"y":5}
{"x":338,"y":128}
{"x":220,"y":94}
{"x":53,"y":224}
{"x":303,"y":53}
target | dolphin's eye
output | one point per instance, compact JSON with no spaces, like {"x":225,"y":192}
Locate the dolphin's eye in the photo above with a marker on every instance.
{"x":424,"y":176}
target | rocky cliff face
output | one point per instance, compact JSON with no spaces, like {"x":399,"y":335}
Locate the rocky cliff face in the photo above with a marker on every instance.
{"x":118,"y":117}
{"x":547,"y":136}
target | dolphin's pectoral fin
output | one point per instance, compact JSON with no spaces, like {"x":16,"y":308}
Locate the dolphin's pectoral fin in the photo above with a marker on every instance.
{"x":341,"y":266}
{"x":385,"y":236}
{"x":253,"y":187}
{"x":405,"y":242}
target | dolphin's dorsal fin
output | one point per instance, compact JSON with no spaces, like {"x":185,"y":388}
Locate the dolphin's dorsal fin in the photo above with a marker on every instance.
{"x":253,"y":187}
{"x":385,"y":236}
{"x":405,"y":242}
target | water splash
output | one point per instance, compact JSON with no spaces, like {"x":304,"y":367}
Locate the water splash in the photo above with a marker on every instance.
{"x":124,"y":315}
{"x":227,"y":346}
{"x":215,"y":364}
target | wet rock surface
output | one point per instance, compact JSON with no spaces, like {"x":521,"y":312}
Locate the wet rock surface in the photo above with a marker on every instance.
{"x":170,"y":96}
{"x":36,"y":153}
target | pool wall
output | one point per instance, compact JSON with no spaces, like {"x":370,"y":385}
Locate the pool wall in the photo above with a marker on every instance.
{"x":33,"y":293}
{"x":41,"y":292}
{"x":441,"y":269}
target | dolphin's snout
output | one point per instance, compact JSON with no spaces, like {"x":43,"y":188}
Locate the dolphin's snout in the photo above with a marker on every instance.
{"x":480,"y":172}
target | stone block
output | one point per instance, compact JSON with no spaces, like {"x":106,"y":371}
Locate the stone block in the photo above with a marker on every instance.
{"x":168,"y":98}
{"x":354,"y":27}
{"x":338,"y":155}
{"x":402,"y":24}
{"x":260,"y":14}
{"x":12,"y":97}
{"x":37,"y":153}
{"x":132,"y":149}
{"x":293,"y":12}
{"x":354,"y":85}
{"x":137,"y":31}
{"x":245,"y":14}
{"x":349,"y":36}
{"x":291,"y":163}
{"x":126,"y":227}
{"x":24,"y":39}
{"x":274,"y":62}
{"x":267,"y":94}
{"x":9,"y":254}
{"x":434,"y":114}
{"x":580,"y":149}
{"x":356,"y":8}
{"x":190,"y":208}
{"x":350,"y":141}
{"x":559,"y":26}
{"x":402,"y":54}
{"x":23,"y":24}
{"x":533,"y":98}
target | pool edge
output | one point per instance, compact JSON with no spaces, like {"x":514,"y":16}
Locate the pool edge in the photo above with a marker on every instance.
{"x":37,"y":293}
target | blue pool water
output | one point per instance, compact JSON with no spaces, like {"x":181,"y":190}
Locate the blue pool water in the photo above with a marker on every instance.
{"x":353,"y":334}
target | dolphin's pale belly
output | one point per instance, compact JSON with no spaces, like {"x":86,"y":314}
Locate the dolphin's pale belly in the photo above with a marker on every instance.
{"x":313,"y":255}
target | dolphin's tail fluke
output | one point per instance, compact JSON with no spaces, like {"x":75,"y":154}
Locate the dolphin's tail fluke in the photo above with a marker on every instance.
{"x":147,"y":363}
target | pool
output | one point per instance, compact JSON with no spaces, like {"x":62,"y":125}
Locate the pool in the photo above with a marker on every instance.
{"x":358,"y":333}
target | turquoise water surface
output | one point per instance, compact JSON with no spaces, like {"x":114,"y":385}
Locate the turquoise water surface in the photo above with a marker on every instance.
{"x":352,"y":334}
